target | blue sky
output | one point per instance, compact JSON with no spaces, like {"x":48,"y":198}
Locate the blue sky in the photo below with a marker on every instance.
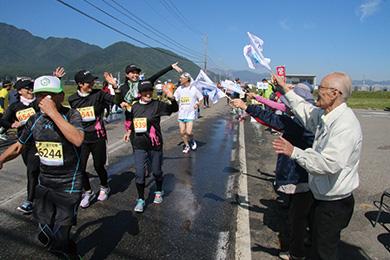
{"x":309,"y":37}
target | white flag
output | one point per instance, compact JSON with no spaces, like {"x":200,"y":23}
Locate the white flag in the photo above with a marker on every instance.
{"x":256,"y":52}
{"x":207,"y":87}
{"x":228,"y":84}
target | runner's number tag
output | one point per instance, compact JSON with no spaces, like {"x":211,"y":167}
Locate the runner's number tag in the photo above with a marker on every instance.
{"x":87,"y":113}
{"x":185,"y":100}
{"x":50,"y":153}
{"x":24,"y":115}
{"x":140,"y":125}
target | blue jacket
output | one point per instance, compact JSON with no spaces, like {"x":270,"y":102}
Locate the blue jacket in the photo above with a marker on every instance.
{"x":287,"y":170}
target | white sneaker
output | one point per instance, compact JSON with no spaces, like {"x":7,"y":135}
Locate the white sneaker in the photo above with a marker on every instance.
{"x":3,"y":137}
{"x":103,"y":194}
{"x":87,"y":197}
{"x":193,"y":145}
{"x":140,"y":205}
{"x":158,"y":197}
{"x":186,"y":149}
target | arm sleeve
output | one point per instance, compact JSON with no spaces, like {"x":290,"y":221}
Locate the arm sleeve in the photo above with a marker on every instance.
{"x":108,"y":98}
{"x":8,"y":118}
{"x":273,"y":104}
{"x":167,"y":109}
{"x":159,"y":74}
{"x":308,"y":114}
{"x":2,"y":102}
{"x":266,"y":117}
{"x":335,"y":155}
{"x":27,"y":131}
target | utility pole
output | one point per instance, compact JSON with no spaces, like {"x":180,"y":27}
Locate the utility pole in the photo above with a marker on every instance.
{"x":220,"y":60}
{"x":205,"y":53}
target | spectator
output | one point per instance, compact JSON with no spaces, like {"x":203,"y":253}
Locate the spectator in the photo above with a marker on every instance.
{"x":333,"y":161}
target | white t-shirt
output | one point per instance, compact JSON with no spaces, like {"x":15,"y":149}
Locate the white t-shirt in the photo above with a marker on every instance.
{"x":159,"y":87}
{"x":187,"y":97}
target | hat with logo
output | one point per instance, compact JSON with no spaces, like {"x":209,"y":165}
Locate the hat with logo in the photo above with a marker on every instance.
{"x":84,"y":76}
{"x":144,"y":85}
{"x":132,"y":67}
{"x":23,"y":83}
{"x":6,"y":83}
{"x":48,"y":84}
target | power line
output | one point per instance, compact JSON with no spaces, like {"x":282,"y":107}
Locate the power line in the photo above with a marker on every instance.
{"x":155,"y":31}
{"x":168,"y":21}
{"x":101,"y":10}
{"x":184,"y":18}
{"x":116,"y":30}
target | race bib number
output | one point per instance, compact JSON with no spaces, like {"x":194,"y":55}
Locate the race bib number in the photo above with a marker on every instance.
{"x":50,"y":153}
{"x":140,"y":125}
{"x":87,"y":113}
{"x":24,"y":115}
{"x":242,"y":96}
{"x":185,"y":100}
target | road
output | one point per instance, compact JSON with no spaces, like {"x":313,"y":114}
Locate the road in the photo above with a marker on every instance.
{"x":206,"y":212}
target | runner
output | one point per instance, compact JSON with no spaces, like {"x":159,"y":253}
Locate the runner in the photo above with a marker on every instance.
{"x":91,"y":103}
{"x":58,"y":135}
{"x":159,"y":90}
{"x":7,"y":85}
{"x":129,"y":90}
{"x":146,"y":138}
{"x":16,"y":116}
{"x":189,"y":99}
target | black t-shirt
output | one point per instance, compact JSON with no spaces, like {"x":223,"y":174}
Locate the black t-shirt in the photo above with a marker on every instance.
{"x":19,"y":112}
{"x":91,"y":109}
{"x":60,"y":159}
{"x":145,"y":127}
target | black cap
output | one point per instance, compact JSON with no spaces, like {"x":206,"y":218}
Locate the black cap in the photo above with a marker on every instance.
{"x":237,"y":79}
{"x":6,"y":82}
{"x":84,"y":76}
{"x":144,"y":85}
{"x":132,"y":68}
{"x":23,"y":83}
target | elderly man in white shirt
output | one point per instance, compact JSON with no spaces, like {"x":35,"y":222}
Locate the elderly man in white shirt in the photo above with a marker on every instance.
{"x":332,"y":162}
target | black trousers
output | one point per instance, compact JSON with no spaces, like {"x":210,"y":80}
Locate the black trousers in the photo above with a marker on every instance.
{"x":31,"y":160}
{"x":99,"y":155}
{"x":330,"y":217}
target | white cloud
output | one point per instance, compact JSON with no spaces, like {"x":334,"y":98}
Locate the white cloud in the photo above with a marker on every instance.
{"x":368,"y":9}
{"x":284,"y":25}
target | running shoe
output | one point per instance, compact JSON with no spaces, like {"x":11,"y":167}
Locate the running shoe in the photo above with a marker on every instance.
{"x":193,"y":145}
{"x":287,"y":256}
{"x":186,"y":149}
{"x":204,"y":107}
{"x":26,"y":207}
{"x":140,"y":205}
{"x":158,"y":197}
{"x":103,"y":194}
{"x":86,"y":200}
{"x":3,"y":137}
{"x":208,"y":105}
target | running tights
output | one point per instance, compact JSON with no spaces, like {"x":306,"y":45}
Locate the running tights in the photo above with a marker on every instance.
{"x":56,"y":239}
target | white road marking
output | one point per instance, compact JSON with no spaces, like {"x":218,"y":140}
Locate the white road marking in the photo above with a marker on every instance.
{"x":222,"y":245}
{"x":233,"y":155}
{"x":243,"y":238}
{"x":229,"y":186}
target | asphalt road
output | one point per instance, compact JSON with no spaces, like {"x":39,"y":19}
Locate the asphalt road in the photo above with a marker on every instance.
{"x":198,"y":217}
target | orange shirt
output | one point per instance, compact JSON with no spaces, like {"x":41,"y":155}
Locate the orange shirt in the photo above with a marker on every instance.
{"x":170,"y":86}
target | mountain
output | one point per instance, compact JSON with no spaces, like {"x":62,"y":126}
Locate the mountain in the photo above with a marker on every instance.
{"x":116,"y":57}
{"x":245,"y":76}
{"x":22,"y":54}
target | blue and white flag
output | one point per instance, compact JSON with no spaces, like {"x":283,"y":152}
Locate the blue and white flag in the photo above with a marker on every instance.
{"x":230,"y":85}
{"x":254,"y":53}
{"x":208,"y":87}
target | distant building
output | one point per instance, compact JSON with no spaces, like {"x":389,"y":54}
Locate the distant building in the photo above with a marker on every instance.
{"x":377,"y":87}
{"x":293,"y":79}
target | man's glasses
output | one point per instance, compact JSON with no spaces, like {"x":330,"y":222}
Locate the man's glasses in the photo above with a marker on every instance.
{"x":322,"y":87}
